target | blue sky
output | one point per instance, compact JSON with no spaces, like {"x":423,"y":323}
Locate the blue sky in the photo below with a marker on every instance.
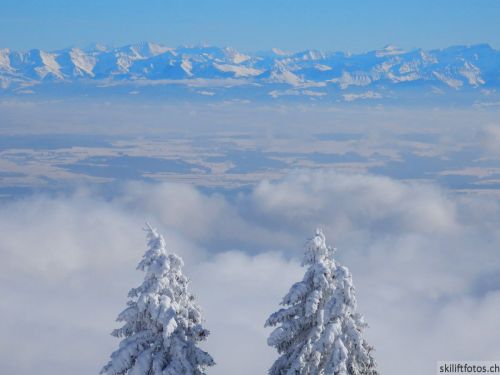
{"x":250,"y":25}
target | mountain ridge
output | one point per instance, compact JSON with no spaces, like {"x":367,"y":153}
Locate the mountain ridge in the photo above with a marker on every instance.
{"x":277,"y":73}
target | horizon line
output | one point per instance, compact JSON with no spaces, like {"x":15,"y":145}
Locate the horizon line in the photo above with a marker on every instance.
{"x":109,"y":47}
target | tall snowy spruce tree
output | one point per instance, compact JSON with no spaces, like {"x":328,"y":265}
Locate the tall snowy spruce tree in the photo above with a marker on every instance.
{"x":162,"y":323}
{"x":319,"y":331}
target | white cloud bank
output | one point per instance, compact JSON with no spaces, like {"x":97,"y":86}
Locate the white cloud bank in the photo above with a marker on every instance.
{"x":425,"y":264}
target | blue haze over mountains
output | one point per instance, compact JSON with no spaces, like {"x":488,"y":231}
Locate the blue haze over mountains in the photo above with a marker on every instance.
{"x":86,"y":137}
{"x":451,"y":75}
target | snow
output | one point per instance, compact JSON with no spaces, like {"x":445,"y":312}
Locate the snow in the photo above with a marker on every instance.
{"x":5,"y":60}
{"x":277,"y":93}
{"x":450,"y":81}
{"x":280,"y":52}
{"x":313,"y":93}
{"x":206,"y":93}
{"x":322,"y":67}
{"x":157,"y":49}
{"x":472,"y":73}
{"x":387,"y":65}
{"x":409,"y":67}
{"x":123,"y":63}
{"x":319,"y":331}
{"x":50,"y":65}
{"x":311,"y":55}
{"x":389,"y":50}
{"x":100,"y":47}
{"x":145,"y":50}
{"x":356,"y":79}
{"x":363,"y":95}
{"x":239,"y":71}
{"x":84,"y":63}
{"x":283,"y":75}
{"x":380,"y":70}
{"x":161,"y":323}
{"x":187,"y":67}
{"x":235,"y":57}
{"x":428,"y":58}
{"x":412,"y":76}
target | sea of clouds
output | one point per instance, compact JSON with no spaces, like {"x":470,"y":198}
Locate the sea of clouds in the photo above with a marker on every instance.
{"x":424,"y":261}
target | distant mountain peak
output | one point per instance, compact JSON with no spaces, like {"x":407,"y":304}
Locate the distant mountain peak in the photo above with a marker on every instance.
{"x":96,"y":47}
{"x":280,"y":52}
{"x":313,"y":73}
{"x":389,"y":50}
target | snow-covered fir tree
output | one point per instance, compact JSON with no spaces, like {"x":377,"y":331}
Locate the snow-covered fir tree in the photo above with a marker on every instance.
{"x":162,"y":323}
{"x":319,"y":331}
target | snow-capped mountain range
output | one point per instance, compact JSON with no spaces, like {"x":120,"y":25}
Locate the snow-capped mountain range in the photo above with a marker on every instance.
{"x":210,"y":71}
